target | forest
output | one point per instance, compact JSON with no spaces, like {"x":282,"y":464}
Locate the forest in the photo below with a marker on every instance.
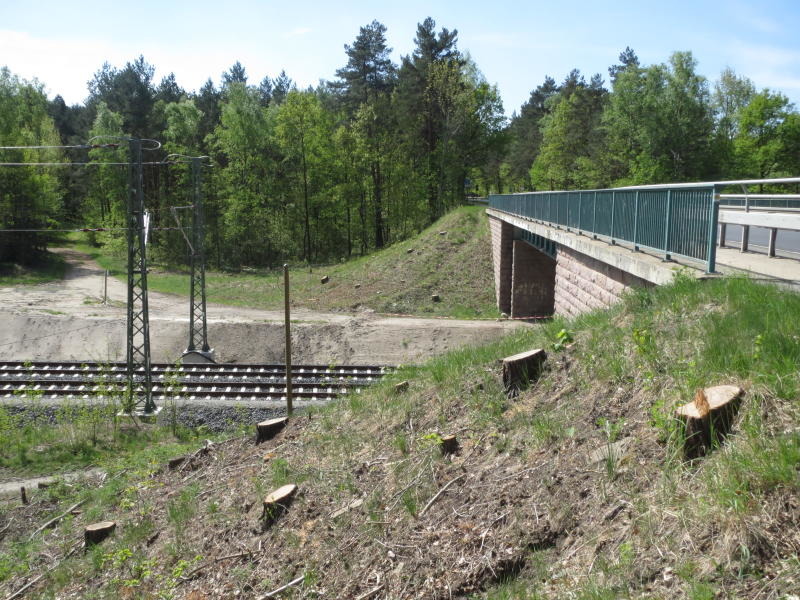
{"x":373,"y":155}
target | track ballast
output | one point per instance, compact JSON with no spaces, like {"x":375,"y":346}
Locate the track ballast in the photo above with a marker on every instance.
{"x":215,"y":382}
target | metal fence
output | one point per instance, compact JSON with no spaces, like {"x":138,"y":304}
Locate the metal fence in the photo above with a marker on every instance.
{"x":679,"y":219}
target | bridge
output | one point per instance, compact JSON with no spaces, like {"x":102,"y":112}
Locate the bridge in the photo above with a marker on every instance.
{"x":569,"y":252}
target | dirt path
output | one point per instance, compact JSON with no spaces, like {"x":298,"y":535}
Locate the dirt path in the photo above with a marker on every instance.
{"x":67,"y":320}
{"x":11,"y":485}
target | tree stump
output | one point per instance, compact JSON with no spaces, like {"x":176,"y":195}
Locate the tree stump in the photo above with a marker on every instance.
{"x":276,"y":503}
{"x":97,"y":532}
{"x":435,"y":298}
{"x":401,"y":387}
{"x":521,"y":369}
{"x":449,"y":444}
{"x":266,"y":430}
{"x":324,"y":279}
{"x":707,"y":425}
{"x":176,"y":462}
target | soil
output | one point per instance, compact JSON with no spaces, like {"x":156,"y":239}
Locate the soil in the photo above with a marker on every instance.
{"x":67,"y":320}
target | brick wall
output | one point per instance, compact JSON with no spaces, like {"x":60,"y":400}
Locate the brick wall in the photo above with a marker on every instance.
{"x":532,"y":281}
{"x":502,"y":256}
{"x":583,"y":283}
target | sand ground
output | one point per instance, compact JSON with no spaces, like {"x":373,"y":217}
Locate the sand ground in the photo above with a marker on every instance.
{"x":67,"y":320}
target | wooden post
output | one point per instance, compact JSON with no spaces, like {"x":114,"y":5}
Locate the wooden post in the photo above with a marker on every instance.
{"x":289,"y":407}
{"x":745,"y":238}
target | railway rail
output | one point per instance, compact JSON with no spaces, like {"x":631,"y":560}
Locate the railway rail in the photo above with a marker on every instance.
{"x":225,"y":382}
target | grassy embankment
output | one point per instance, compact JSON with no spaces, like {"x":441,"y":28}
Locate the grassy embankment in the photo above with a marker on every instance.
{"x":49,"y":267}
{"x":456,"y":265}
{"x":576,"y":488}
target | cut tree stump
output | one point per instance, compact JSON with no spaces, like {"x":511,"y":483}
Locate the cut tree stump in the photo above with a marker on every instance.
{"x":324,"y":279}
{"x":176,"y":462}
{"x":703,"y":432}
{"x":278,"y":502}
{"x":521,"y":369}
{"x":401,"y":387}
{"x":266,"y":430}
{"x":436,"y":298}
{"x":449,"y":444}
{"x":97,"y":532}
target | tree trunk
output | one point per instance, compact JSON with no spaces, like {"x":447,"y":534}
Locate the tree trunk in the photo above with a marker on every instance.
{"x":376,"y":194}
{"x":307,"y":234}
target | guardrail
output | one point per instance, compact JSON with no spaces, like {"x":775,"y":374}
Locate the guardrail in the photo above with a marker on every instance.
{"x":678,"y":219}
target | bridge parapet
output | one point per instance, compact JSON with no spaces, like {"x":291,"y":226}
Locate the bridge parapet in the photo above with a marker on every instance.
{"x":604,"y":241}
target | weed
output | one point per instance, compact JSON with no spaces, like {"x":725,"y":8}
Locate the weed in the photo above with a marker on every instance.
{"x":280,"y":471}
{"x":562,"y":340}
{"x":401,"y":442}
{"x":409,"y":502}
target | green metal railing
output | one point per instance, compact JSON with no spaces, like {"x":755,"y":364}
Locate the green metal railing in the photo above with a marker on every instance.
{"x":678,"y":219}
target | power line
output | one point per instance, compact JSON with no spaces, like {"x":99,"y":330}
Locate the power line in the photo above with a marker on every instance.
{"x":85,"y":230}
{"x":74,"y":146}
{"x":74,"y":164}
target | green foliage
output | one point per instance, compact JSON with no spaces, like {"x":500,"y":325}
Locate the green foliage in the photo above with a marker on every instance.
{"x":562,"y":339}
{"x":31,"y":198}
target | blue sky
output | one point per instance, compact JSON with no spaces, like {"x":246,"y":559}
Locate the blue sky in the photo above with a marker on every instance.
{"x":515,"y":44}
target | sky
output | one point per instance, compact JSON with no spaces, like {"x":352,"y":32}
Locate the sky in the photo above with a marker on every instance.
{"x":515,"y":44}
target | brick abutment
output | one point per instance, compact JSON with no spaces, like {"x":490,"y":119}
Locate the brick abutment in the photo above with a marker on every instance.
{"x":529,"y":282}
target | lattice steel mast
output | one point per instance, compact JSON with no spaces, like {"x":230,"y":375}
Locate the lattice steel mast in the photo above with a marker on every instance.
{"x":198,"y":328}
{"x":139,"y":395}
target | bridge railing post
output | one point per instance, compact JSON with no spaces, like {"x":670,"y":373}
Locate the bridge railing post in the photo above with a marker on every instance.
{"x":667,"y":225}
{"x":635,"y":220}
{"x":613,"y":210}
{"x":594,"y":217}
{"x":713,"y":223}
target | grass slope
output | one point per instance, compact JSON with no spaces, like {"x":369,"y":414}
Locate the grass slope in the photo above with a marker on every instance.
{"x":574,"y":489}
{"x":47,"y":267}
{"x":455,"y":264}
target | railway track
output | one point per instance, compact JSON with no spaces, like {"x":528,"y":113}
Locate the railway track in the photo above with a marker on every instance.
{"x":219,"y":382}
